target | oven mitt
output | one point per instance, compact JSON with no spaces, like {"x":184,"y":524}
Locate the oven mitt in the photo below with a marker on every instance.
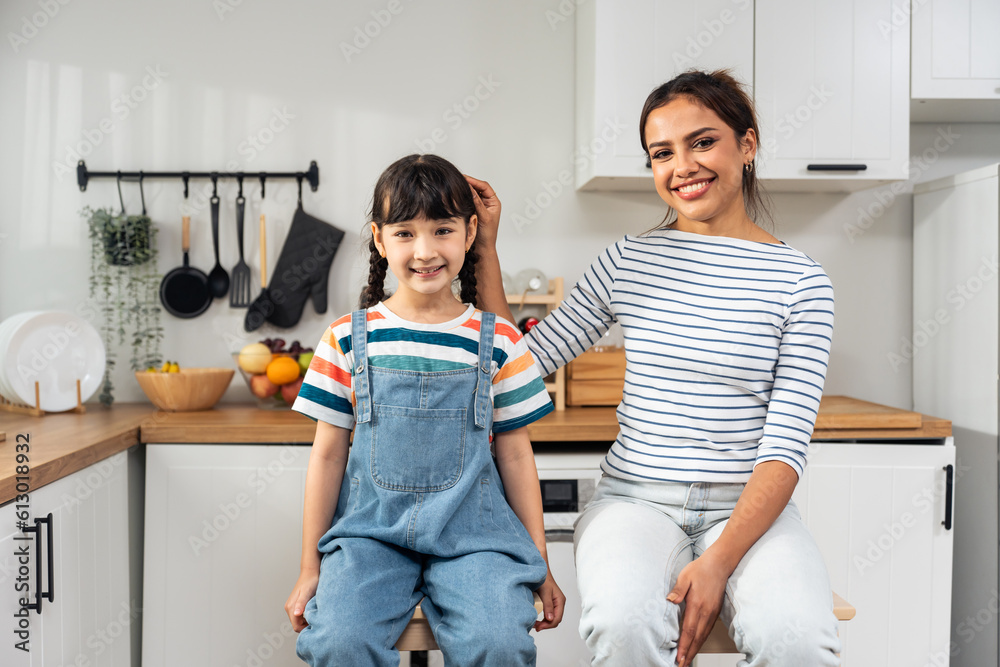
{"x":303,"y":270}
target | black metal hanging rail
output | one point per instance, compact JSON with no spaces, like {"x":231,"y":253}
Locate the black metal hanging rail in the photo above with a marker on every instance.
{"x":311,"y":175}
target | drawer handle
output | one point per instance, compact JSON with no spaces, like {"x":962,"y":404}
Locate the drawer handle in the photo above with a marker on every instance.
{"x":949,"y":483}
{"x":837,"y":167}
{"x":37,"y":530}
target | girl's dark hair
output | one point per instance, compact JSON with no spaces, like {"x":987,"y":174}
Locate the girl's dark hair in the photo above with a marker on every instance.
{"x":420,"y":186}
{"x":723,"y":94}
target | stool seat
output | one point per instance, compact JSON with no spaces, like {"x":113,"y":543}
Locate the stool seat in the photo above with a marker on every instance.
{"x":719,"y":641}
{"x":417,"y":635}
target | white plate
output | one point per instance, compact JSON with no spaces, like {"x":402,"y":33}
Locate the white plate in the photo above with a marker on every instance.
{"x":7,"y":327}
{"x":55,"y":349}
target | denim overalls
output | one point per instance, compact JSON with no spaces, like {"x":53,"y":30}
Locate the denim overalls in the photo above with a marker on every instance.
{"x":421,"y":512}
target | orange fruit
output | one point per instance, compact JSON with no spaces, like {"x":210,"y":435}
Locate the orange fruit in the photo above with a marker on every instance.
{"x":283,"y":370}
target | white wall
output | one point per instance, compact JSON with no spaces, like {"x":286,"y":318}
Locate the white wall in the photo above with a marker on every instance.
{"x":224,"y":74}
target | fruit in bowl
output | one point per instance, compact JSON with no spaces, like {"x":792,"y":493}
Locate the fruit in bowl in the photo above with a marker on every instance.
{"x":272,"y":372}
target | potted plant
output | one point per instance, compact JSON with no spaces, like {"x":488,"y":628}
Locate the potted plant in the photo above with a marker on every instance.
{"x":124,"y":285}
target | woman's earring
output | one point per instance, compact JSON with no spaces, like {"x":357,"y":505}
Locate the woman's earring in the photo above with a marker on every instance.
{"x":748,"y":167}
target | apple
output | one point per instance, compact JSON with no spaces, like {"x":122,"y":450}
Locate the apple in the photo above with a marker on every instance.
{"x":291,"y":390}
{"x":261,"y":387}
{"x":304,"y":360}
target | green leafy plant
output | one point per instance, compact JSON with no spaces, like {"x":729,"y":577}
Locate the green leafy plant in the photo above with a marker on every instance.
{"x":124,"y":285}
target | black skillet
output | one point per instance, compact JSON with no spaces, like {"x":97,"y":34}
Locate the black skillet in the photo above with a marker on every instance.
{"x":184,"y":291}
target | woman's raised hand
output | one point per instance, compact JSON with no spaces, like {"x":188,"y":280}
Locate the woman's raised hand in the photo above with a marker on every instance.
{"x":487,"y":210}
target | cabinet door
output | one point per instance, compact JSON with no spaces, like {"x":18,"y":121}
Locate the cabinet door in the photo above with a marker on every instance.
{"x":223,"y":540}
{"x":832,"y":88}
{"x":10,"y":541}
{"x":88,"y":621}
{"x":956,"y":53}
{"x":625,"y":48}
{"x":876,"y":512}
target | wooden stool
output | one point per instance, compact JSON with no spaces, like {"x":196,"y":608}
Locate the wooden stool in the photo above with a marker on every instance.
{"x":719,"y":641}
{"x":417,"y":635}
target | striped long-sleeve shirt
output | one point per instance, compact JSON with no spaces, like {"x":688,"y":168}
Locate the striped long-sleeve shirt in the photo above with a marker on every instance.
{"x":518,"y":393}
{"x":726,"y":345}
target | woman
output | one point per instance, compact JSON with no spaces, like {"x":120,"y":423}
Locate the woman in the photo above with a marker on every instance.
{"x":727,"y":337}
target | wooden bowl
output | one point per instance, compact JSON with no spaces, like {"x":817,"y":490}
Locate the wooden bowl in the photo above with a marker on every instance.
{"x":189,"y":390}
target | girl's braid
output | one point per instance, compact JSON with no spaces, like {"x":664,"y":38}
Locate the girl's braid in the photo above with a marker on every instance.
{"x":377,"y":265}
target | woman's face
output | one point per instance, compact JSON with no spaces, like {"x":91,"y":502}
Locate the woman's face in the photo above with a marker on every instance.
{"x":697,"y":161}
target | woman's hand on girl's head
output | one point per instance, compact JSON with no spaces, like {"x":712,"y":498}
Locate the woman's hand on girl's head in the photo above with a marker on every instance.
{"x":553,"y":604}
{"x":305,"y":589}
{"x":487,"y":210}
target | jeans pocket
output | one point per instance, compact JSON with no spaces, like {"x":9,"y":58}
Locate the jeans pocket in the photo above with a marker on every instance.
{"x":417,"y":449}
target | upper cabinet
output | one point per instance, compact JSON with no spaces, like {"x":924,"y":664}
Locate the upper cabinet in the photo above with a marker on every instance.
{"x":831,"y":85}
{"x":832,"y":94}
{"x":956,"y":60}
{"x":624,"y":49}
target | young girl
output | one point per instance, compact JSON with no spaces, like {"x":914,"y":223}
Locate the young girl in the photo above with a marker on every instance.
{"x":418,"y":508}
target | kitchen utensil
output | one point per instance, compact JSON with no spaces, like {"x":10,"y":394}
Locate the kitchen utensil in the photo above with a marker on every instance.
{"x":188,"y":390}
{"x":184,"y":291}
{"x":302,"y":272}
{"x":239,"y":294}
{"x":218,"y":279}
{"x":54,"y":349}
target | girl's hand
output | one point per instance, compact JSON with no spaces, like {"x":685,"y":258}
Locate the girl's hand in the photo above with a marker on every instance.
{"x":305,"y":589}
{"x":553,"y":604}
{"x":702,"y":584}
{"x":487,"y":210}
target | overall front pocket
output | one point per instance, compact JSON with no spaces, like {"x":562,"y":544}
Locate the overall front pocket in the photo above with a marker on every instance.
{"x":416,"y":449}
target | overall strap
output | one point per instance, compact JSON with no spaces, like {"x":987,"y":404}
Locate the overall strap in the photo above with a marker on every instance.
{"x":484,"y":404}
{"x":362,"y":388}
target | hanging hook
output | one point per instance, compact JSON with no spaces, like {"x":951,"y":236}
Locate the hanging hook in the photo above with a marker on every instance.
{"x":186,"y":175}
{"x":142,"y":195}
{"x":121,"y":199}
{"x":298,"y":177}
{"x":215,"y":186}
{"x":263,"y":178}
{"x":239,"y":179}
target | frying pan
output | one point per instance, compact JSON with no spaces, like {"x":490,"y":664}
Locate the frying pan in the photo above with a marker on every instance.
{"x":184,"y":291}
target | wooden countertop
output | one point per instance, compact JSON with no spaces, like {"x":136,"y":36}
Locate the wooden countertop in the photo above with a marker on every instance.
{"x":61,"y":444}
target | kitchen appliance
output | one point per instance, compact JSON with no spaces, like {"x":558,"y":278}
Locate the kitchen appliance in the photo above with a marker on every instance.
{"x":953,"y":350}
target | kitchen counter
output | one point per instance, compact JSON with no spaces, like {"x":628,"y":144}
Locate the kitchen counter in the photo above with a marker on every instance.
{"x":61,"y":444}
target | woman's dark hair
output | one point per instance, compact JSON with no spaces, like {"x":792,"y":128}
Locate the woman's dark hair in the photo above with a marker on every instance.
{"x":720,"y":92}
{"x":420,"y":186}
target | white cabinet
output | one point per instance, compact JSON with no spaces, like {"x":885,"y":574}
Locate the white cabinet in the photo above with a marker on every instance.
{"x":223,"y":541}
{"x":954,"y":355}
{"x":831,"y":85}
{"x":876,"y":511}
{"x":624,"y":49}
{"x":832,"y":91}
{"x":89,"y":620}
{"x":956,"y":60}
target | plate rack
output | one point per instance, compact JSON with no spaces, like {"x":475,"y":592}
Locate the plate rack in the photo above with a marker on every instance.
{"x":556,"y":383}
{"x":36,"y":411}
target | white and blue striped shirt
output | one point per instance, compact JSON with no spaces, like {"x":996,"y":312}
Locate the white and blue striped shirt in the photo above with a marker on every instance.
{"x":726,"y":345}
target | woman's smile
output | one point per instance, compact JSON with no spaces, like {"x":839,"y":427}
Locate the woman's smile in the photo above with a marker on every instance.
{"x":694,"y":189}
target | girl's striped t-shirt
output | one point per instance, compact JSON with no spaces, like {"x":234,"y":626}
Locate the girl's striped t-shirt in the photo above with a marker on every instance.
{"x":519,"y":395}
{"x":726,"y":345}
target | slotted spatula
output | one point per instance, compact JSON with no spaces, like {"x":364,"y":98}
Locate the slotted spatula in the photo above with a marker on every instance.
{"x":239,"y":293}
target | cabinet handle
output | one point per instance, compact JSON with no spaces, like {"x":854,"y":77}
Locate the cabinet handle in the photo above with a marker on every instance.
{"x":949,"y":483}
{"x":836,"y":167}
{"x":37,"y":530}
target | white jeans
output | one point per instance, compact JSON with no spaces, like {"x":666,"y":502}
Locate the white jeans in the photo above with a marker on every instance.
{"x":634,"y":538}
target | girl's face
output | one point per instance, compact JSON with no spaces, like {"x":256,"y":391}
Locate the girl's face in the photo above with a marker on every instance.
{"x":425,"y":255}
{"x":697,"y":161}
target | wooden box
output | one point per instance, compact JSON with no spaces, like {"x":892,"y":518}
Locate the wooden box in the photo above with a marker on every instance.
{"x":596,"y":378}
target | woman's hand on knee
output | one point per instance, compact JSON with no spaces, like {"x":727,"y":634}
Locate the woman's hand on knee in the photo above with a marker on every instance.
{"x":701,"y":585}
{"x":305,"y":589}
{"x":487,"y":210}
{"x":553,"y":604}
